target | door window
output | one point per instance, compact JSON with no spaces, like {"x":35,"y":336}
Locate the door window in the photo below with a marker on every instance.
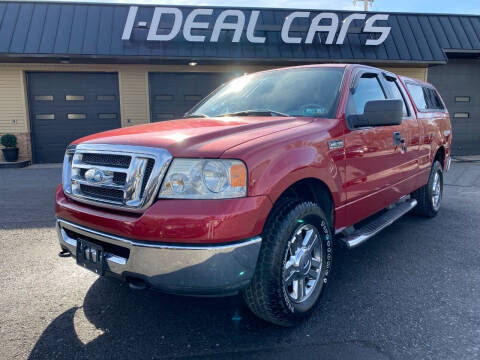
{"x":368,"y":89}
{"x":462,"y":98}
{"x":395,"y":93}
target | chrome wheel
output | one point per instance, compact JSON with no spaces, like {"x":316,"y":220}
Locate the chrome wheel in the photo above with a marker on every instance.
{"x":302,"y":263}
{"x":436,"y":191}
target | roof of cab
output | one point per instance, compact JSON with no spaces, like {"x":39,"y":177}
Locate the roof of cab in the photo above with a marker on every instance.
{"x":406,"y":79}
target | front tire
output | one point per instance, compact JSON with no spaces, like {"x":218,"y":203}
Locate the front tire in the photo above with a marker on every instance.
{"x":294,"y":263}
{"x":429,"y":196}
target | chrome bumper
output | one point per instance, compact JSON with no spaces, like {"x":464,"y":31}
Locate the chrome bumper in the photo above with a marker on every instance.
{"x":189,"y":270}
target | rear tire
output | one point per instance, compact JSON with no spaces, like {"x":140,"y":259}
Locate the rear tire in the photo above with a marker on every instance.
{"x":293,"y":265}
{"x":429,"y":197}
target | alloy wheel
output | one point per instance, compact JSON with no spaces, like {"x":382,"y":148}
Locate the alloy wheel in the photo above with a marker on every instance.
{"x":303,"y":263}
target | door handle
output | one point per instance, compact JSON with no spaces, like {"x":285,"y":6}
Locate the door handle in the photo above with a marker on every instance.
{"x":399,"y":141}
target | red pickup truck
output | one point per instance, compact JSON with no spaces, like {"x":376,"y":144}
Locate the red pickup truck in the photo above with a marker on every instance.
{"x":249,"y":191}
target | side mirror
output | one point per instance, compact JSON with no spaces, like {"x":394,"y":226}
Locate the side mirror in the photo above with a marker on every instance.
{"x":378,"y":113}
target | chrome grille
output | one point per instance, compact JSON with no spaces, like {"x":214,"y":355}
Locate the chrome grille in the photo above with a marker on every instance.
{"x":102,"y":193}
{"x":121,"y":161}
{"x":114,"y":176}
{"x":148,"y":172}
{"x":119,"y":178}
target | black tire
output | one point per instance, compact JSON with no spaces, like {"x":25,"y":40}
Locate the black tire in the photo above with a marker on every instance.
{"x":425,"y":195}
{"x":266,"y":296}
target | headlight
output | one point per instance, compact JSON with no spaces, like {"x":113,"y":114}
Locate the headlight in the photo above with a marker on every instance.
{"x":205,"y":179}
{"x":67,"y":170}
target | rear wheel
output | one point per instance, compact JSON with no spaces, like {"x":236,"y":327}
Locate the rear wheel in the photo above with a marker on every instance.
{"x":429,"y":197}
{"x":293,"y":265}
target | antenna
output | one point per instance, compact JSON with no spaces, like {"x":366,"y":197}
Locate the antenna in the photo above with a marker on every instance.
{"x":366,"y":3}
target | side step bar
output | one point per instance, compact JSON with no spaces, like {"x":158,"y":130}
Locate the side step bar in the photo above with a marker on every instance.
{"x":359,"y":236}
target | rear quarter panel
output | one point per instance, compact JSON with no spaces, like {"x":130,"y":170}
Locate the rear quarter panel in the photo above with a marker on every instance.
{"x":435,"y":127}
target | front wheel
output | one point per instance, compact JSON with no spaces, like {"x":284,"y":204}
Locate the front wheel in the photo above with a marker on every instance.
{"x":429,"y":197}
{"x":293,"y":265}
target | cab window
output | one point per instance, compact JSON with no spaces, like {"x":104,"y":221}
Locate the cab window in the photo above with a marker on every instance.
{"x":418,"y":96}
{"x":434,"y":100}
{"x":425,"y":98}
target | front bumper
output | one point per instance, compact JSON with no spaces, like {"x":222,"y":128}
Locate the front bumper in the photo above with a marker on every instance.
{"x":196,"y":222}
{"x":189,"y":270}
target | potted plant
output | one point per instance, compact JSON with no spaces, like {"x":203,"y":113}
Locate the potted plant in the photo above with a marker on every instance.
{"x":10,"y":150}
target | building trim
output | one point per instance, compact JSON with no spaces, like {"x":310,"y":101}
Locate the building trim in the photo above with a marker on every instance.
{"x":140,"y":3}
{"x":166,"y":61}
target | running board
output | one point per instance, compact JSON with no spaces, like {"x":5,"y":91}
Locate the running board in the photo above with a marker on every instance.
{"x":359,"y":236}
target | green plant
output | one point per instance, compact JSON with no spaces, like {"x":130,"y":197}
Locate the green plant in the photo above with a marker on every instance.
{"x":9,"y":141}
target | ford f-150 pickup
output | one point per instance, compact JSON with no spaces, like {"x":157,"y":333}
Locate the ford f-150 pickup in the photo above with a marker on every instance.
{"x":250,"y":190}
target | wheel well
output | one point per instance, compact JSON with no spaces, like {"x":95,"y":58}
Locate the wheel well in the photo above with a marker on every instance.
{"x":440,"y":156}
{"x":314,"y":190}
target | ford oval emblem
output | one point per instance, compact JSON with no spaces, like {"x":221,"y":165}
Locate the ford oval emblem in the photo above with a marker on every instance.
{"x":95,"y":176}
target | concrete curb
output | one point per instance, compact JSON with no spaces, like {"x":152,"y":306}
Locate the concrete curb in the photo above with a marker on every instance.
{"x":14,"y":165}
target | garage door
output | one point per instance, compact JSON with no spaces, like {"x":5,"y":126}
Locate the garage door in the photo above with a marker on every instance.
{"x":67,"y":106}
{"x":458,"y":84}
{"x":173,"y":94}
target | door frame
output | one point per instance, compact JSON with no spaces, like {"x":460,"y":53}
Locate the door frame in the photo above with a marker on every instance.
{"x":359,"y":202}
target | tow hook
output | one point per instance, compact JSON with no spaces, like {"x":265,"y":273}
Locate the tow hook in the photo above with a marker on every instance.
{"x":64,"y":253}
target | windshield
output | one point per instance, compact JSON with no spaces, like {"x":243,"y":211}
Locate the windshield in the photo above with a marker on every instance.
{"x":308,"y":92}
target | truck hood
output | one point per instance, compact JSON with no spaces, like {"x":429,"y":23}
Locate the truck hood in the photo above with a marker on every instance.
{"x":206,"y":137}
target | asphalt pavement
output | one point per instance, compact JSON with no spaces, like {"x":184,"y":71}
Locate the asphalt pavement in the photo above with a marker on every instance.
{"x":412,"y":292}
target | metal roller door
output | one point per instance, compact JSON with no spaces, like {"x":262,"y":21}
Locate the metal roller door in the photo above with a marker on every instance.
{"x":459,"y":84}
{"x":67,"y":106}
{"x":173,"y":94}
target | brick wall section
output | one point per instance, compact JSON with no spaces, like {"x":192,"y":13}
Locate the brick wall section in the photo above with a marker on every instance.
{"x":24,"y":146}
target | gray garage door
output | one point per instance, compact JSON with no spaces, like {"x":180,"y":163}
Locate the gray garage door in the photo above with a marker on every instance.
{"x":67,"y":106}
{"x":459,"y":84}
{"x":173,"y":94}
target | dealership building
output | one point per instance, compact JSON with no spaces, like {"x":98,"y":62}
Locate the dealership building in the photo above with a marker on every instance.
{"x":71,"y":69}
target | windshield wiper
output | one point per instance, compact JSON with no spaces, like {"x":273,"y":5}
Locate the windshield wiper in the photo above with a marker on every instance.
{"x":190,"y":116}
{"x":254,"y":113}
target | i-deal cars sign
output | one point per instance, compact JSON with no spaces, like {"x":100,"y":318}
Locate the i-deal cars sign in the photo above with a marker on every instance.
{"x":325,"y":22}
